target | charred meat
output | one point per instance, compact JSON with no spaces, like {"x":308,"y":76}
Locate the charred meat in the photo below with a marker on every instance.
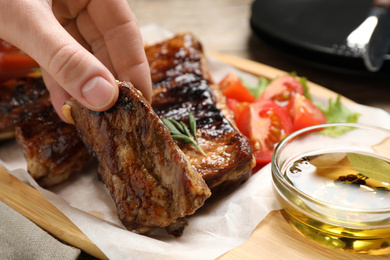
{"x":148,"y":176}
{"x":20,"y":100}
{"x":182,"y":84}
{"x":52,"y":148}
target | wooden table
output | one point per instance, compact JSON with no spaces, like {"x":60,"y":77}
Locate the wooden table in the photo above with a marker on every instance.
{"x":223,"y":26}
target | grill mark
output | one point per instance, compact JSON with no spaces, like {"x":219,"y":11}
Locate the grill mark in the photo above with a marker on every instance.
{"x":23,"y":91}
{"x":20,"y":101}
{"x":140,"y":192}
{"x":52,"y":147}
{"x":191,"y":93}
{"x":147,"y":175}
{"x":182,"y":84}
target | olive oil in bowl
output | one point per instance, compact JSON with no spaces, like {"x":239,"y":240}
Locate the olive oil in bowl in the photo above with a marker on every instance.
{"x":338,"y":197}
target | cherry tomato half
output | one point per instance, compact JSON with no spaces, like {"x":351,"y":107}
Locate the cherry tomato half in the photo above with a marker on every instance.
{"x":265,"y":123}
{"x":304,"y":113}
{"x":232,"y":87}
{"x":237,"y":107}
{"x":282,"y":89}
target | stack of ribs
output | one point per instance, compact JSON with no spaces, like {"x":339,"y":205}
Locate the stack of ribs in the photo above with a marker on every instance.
{"x":52,"y":148}
{"x":154,"y":180}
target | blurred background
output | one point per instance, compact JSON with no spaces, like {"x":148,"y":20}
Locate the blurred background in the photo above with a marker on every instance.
{"x":225,"y":26}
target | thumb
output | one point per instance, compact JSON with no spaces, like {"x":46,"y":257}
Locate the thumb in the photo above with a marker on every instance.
{"x":71,"y":66}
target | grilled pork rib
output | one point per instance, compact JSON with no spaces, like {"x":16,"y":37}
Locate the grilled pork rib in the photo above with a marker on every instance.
{"x":147,"y":175}
{"x":52,"y":148}
{"x":181,"y":84}
{"x":20,"y":99}
{"x":155,"y":181}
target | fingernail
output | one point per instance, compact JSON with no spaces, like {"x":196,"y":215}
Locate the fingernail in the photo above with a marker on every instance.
{"x":98,"y":92}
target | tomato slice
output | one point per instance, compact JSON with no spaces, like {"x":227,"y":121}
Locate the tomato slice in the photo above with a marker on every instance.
{"x":265,"y":123}
{"x":228,"y":80}
{"x":13,"y":62}
{"x":237,"y":107}
{"x":232,"y":87}
{"x":304,"y":113}
{"x":282,"y":89}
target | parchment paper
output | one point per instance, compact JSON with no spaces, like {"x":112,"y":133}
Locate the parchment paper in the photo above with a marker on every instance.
{"x":214,"y":229}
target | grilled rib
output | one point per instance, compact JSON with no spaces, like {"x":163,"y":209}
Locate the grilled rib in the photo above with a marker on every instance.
{"x":182,"y":84}
{"x":147,"y":175}
{"x":52,"y":147}
{"x":18,"y":102}
{"x":137,"y":156}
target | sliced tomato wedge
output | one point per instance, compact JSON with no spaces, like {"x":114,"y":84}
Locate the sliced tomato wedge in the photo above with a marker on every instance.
{"x":265,"y":123}
{"x":228,"y":80}
{"x":282,"y":89}
{"x":232,"y":87}
{"x":13,"y":62}
{"x":237,"y":107}
{"x":304,"y":113}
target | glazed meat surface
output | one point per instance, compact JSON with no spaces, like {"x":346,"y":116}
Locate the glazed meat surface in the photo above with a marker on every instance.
{"x":147,"y":175}
{"x":52,"y":148}
{"x":20,"y":99}
{"x":182,"y":84}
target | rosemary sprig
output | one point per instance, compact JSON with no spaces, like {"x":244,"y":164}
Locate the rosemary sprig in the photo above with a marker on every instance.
{"x":180,"y":131}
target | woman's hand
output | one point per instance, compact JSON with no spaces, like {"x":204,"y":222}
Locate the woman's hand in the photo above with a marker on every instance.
{"x":82,"y":47}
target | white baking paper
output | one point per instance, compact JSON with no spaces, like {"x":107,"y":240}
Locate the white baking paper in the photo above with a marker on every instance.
{"x":214,"y":229}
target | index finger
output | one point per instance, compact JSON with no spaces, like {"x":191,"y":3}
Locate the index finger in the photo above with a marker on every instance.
{"x":119,"y":28}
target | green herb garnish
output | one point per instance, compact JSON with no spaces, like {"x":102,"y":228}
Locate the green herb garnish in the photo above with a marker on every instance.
{"x":336,"y":112}
{"x":180,"y":131}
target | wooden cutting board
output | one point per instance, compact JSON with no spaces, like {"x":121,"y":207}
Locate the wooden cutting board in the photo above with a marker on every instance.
{"x":273,"y":238}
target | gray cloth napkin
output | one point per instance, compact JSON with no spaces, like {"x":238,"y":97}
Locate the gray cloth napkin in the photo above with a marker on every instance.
{"x":22,"y":239}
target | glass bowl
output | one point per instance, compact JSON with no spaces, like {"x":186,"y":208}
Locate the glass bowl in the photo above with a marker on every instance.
{"x":334,"y":189}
